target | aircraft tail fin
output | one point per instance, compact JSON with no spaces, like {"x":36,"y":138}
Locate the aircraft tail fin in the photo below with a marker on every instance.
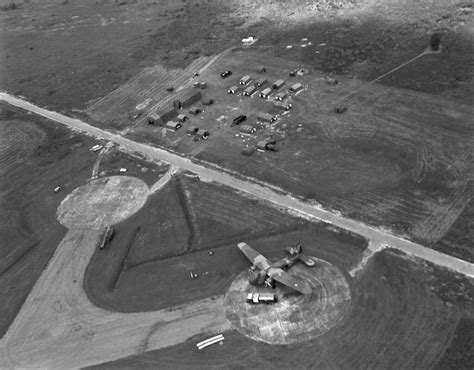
{"x":295,"y":250}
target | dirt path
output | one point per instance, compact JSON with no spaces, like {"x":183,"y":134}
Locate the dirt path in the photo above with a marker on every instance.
{"x":58,"y":327}
{"x":264,"y":192}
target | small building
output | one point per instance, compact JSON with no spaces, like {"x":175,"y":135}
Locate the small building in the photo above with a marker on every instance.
{"x":262,"y":146}
{"x":245,"y":80}
{"x":266,"y":117}
{"x":200,"y":85}
{"x":265,"y":93}
{"x":260,"y":82}
{"x":160,"y":118}
{"x":281,"y":96}
{"x":189,"y":98}
{"x":295,"y":88}
{"x":201,"y":134}
{"x":233,"y":89}
{"x":282,"y":106}
{"x":249,"y":90}
{"x":194,"y":111}
{"x":173,"y":125}
{"x":208,"y":101}
{"x":191,"y":130}
{"x":182,"y":118}
{"x":247,"y":129}
{"x":177,"y":104}
{"x":278,"y":84}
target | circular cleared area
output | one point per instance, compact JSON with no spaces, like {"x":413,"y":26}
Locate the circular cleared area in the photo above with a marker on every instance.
{"x":294,"y":317}
{"x":103,"y":202}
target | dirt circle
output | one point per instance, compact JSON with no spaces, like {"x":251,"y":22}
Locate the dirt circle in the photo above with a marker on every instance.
{"x":102,"y":202}
{"x":295,"y":317}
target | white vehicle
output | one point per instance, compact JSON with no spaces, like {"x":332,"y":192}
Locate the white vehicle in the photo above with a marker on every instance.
{"x":96,"y":148}
{"x":256,"y":298}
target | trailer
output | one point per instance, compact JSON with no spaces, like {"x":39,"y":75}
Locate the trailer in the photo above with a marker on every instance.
{"x":245,"y":80}
{"x":213,"y":340}
{"x":265,"y":298}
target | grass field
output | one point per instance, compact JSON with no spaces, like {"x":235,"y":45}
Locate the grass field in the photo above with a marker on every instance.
{"x":36,"y":156}
{"x":146,"y":267}
{"x":397,"y":318}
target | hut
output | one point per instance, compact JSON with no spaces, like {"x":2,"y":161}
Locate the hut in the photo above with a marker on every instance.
{"x":281,"y":96}
{"x":233,"y":90}
{"x":295,"y":88}
{"x":208,"y":101}
{"x":266,"y":117}
{"x":182,"y":118}
{"x":265,"y":93}
{"x":249,"y":90}
{"x":281,"y":106}
{"x":260,"y":82}
{"x":161,"y":117}
{"x":173,"y":125}
{"x":245,"y":80}
{"x":191,"y":130}
{"x":201,"y":134}
{"x":278,"y":84}
{"x":194,"y":111}
{"x":189,"y":98}
{"x":247,"y":129}
{"x":262,"y":146}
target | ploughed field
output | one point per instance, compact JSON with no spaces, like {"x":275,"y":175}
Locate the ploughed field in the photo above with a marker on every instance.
{"x":396,"y":158}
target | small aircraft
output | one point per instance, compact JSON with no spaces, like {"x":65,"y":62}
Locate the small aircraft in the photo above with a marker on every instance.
{"x":263,"y":271}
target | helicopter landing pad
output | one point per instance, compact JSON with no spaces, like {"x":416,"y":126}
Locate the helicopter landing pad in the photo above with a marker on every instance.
{"x":294,"y":317}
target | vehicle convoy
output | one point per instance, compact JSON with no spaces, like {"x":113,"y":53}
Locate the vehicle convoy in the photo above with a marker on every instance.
{"x":265,"y":272}
{"x":266,"y":298}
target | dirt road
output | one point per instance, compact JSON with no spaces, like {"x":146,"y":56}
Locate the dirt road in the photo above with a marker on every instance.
{"x":58,"y":327}
{"x":262,"y":191}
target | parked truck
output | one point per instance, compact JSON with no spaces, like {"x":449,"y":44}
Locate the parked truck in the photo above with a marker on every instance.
{"x":256,"y":298}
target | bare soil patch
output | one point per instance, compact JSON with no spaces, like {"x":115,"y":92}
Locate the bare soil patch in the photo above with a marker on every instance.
{"x":102,"y":202}
{"x":294,"y":317}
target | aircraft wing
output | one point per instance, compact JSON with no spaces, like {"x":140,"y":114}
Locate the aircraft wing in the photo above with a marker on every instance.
{"x":288,"y":280}
{"x":256,"y":258}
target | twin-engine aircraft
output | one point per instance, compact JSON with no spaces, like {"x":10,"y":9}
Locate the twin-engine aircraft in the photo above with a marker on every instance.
{"x":265,"y":272}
